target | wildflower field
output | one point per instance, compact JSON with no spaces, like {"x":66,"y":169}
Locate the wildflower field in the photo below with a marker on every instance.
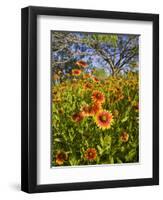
{"x":95,"y":115}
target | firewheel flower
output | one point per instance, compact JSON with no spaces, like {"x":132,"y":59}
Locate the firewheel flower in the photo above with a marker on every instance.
{"x":61,"y":157}
{"x":78,"y":117}
{"x":95,"y":79}
{"x":98,"y":97}
{"x":76,"y":72}
{"x":124,"y":137}
{"x":85,"y":76}
{"x":81,"y":63}
{"x":104,"y":119}
{"x":91,"y":154}
{"x":86,"y":110}
{"x":87,"y":86}
{"x":95,"y":108}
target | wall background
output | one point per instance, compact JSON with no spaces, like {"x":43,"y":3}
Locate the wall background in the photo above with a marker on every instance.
{"x":10,"y":79}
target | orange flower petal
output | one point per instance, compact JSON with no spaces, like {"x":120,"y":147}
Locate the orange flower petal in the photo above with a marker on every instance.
{"x":104,"y":119}
{"x":78,"y":117}
{"x":91,"y":154}
{"x":81,"y":63}
{"x":76,"y":72}
{"x":124,"y":137}
{"x":98,"y":96}
{"x":61,"y":156}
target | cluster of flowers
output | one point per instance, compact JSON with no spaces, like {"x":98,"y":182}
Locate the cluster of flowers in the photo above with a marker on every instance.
{"x":90,"y":153}
{"x":62,"y":156}
{"x":78,"y":72}
{"x":102,"y":118}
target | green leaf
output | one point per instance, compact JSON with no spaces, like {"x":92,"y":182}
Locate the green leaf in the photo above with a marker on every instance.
{"x":111,"y":160}
{"x":130,"y":156}
{"x":73,"y":161}
{"x":101,"y":141}
{"x":57,"y":140}
{"x":118,"y":160}
{"x":99,"y":149}
{"x":124,"y":119}
{"x":107,"y":140}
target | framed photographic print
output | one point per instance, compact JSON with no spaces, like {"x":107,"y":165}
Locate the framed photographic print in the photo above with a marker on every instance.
{"x":90,"y":99}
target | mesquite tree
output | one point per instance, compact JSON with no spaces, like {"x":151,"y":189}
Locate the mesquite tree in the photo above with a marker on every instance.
{"x":118,"y":53}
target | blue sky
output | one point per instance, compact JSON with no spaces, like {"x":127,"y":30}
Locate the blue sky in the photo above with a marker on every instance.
{"x":90,"y":55}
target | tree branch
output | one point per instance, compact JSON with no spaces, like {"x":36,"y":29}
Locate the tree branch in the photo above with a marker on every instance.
{"x":126,"y":61}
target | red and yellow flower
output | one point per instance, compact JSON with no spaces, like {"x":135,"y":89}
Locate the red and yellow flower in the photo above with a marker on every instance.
{"x":95,"y":79}
{"x":90,"y":154}
{"x":61,"y":157}
{"x":81,"y":63}
{"x":76,"y":72}
{"x":85,"y":76}
{"x":104,"y":119}
{"x":87,"y":86}
{"x":95,"y":108}
{"x":124,"y":137}
{"x":78,"y":117}
{"x":98,"y":97}
{"x":86,"y":110}
{"x":91,"y":110}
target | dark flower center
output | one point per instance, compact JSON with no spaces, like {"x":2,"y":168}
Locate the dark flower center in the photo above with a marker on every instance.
{"x":61,"y":156}
{"x":98,"y":95}
{"x":103,"y":118}
{"x":90,"y":154}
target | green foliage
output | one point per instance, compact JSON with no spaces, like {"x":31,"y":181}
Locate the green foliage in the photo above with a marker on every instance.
{"x":76,"y":137}
{"x":106,"y":38}
{"x":100,"y":74}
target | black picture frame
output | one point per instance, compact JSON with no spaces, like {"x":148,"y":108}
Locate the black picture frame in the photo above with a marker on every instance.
{"x":29,"y":99}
